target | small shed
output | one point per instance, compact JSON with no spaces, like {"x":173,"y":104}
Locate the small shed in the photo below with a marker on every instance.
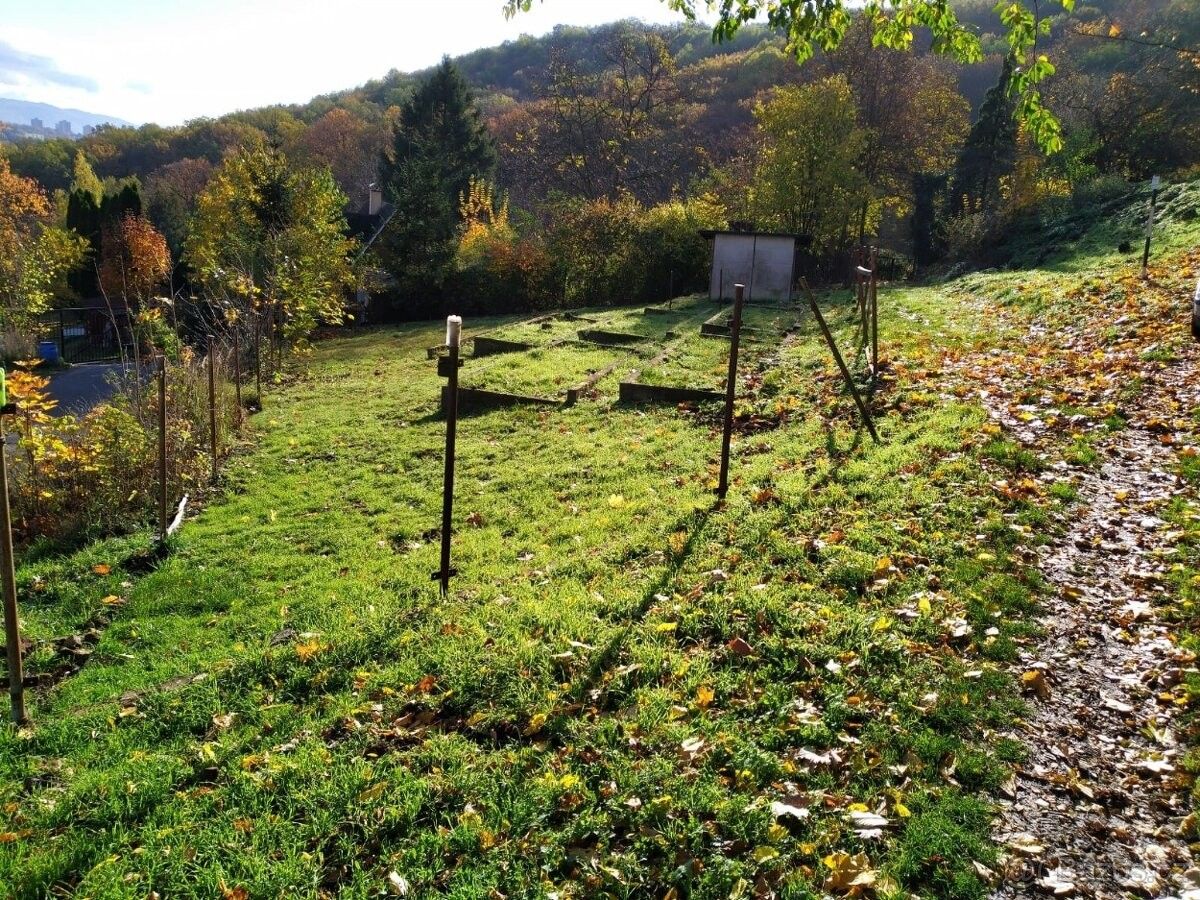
{"x":765,"y":262}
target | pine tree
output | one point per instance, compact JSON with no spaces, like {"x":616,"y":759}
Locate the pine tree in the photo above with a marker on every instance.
{"x":439,"y":144}
{"x":989,"y":151}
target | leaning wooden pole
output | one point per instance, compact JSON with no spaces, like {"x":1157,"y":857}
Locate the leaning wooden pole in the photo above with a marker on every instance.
{"x":8,"y":574}
{"x":453,"y":339}
{"x":841,"y":363}
{"x":735,"y":333}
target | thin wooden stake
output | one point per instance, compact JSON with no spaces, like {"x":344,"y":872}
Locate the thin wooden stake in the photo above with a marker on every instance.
{"x":258,"y":358}
{"x":162,"y":448}
{"x":212,"y":406}
{"x":841,"y":363}
{"x":453,"y":338}
{"x":12,"y":627}
{"x":735,"y":333}
{"x":237,"y":375}
{"x":874,"y":291}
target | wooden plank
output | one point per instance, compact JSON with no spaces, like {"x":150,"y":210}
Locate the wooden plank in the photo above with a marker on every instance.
{"x":479,"y":398}
{"x":610,"y":338}
{"x":489,"y":346}
{"x":636,"y":392}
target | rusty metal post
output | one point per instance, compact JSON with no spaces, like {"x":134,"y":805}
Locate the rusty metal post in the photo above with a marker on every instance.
{"x":162,"y":448}
{"x":841,"y":363}
{"x":237,"y":374}
{"x":12,"y":627}
{"x":212,"y":406}
{"x":735,"y":333}
{"x":453,"y":338}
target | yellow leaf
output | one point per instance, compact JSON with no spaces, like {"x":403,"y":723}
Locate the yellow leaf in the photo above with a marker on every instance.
{"x":308,"y":649}
{"x":616,"y":501}
{"x":901,"y":810}
{"x":924,"y":606}
{"x":664,"y":627}
{"x":536,"y":723}
{"x":883,"y":623}
{"x":704,"y":696}
{"x":101,"y":569}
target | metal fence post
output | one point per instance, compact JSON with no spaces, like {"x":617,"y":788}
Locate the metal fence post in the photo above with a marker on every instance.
{"x":12,"y":627}
{"x":735,"y":332}
{"x":453,"y":338}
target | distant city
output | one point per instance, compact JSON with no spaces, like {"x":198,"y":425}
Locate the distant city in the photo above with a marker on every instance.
{"x":28,"y":121}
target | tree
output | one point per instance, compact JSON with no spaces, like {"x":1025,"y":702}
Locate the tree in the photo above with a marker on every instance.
{"x":808,"y":179}
{"x":271,"y":239}
{"x":439,"y":144}
{"x":348,"y":145}
{"x":171,"y":194}
{"x":824,"y":25}
{"x":134,"y":260}
{"x":988,"y":153}
{"x":34,"y":252}
{"x":914,"y":117}
{"x":599,"y":133}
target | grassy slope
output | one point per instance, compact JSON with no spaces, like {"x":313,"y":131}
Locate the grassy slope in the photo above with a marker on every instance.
{"x":580,"y":715}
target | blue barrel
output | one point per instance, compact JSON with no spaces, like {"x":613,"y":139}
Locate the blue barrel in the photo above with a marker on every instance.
{"x":48,"y":351}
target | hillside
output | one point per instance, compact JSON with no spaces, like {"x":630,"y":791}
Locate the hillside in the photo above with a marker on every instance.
{"x":836,"y":682}
{"x":20,"y":112}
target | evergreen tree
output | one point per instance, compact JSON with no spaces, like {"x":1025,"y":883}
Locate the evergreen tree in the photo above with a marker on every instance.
{"x":439,"y":144}
{"x":989,"y":151}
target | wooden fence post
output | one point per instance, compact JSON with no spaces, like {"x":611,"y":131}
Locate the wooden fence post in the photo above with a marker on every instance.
{"x":12,"y":626}
{"x":453,"y":338}
{"x":212,"y":406}
{"x":874,"y":290}
{"x":237,"y":374}
{"x":1154,"y":183}
{"x":735,"y":332}
{"x":258,"y":358}
{"x":162,"y":448}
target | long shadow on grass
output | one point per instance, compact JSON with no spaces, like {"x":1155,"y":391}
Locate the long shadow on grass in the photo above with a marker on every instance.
{"x":604,"y":660}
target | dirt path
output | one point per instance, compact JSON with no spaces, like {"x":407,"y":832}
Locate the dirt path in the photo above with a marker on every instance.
{"x":1098,"y":807}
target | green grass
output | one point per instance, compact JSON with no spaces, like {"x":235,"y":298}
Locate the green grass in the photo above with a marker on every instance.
{"x":623,"y":679}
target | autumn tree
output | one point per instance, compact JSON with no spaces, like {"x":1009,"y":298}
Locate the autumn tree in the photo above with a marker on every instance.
{"x":134,"y":260}
{"x":270,"y":239}
{"x":171,"y":195}
{"x":600,"y":133}
{"x":912,"y":113}
{"x":808,"y":178}
{"x":811,"y":26}
{"x":348,"y":145}
{"x":35,"y":253}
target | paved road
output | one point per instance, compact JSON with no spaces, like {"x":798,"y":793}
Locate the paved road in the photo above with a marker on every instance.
{"x":82,"y":386}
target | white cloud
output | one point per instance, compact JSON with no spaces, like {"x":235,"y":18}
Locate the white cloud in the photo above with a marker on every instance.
{"x":169,"y":62}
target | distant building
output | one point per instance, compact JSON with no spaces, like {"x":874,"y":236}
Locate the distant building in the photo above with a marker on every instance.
{"x":36,"y":123}
{"x":89,"y":129}
{"x":63,"y":128}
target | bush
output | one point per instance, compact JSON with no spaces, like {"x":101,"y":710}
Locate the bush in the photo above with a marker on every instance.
{"x":73,"y":478}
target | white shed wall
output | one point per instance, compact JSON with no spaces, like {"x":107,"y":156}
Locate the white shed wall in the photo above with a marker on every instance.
{"x":762,"y":263}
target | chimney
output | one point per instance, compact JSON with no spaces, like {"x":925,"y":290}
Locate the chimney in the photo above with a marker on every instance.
{"x":374,"y":200}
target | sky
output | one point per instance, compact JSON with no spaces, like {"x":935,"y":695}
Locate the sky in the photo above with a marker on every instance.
{"x":168,"y":61}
